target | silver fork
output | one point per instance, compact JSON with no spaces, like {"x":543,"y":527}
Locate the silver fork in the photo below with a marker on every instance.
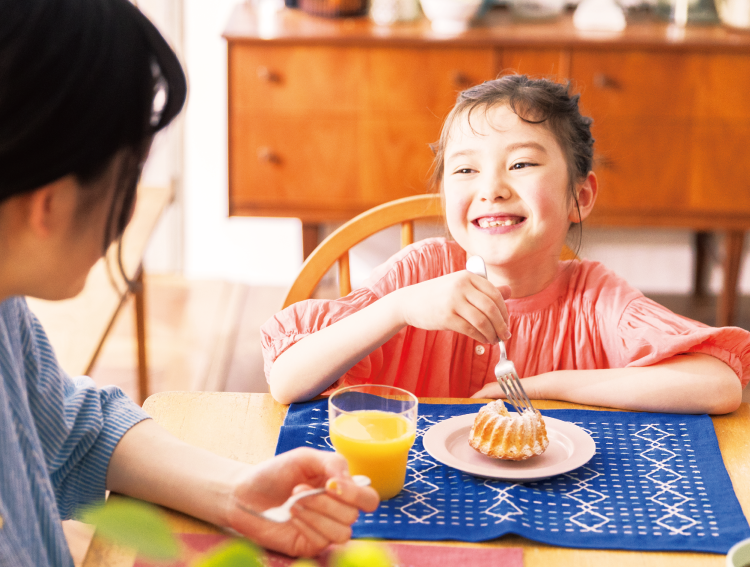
{"x":283,"y":513}
{"x":505,"y":370}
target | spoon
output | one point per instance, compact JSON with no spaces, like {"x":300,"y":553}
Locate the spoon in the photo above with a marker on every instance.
{"x":283,"y":513}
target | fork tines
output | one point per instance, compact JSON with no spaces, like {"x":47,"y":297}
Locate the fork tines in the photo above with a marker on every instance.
{"x":514,"y":392}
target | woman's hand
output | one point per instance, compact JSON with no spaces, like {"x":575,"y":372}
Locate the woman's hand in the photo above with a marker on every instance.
{"x":317,"y":521}
{"x":461,"y":302}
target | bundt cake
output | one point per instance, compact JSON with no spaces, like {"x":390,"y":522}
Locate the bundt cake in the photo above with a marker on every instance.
{"x":496,"y":433}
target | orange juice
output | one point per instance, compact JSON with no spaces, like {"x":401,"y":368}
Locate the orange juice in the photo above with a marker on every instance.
{"x":376,"y":444}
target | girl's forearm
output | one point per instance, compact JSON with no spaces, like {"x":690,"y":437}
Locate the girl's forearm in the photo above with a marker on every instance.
{"x":317,"y":361}
{"x":691,"y":383}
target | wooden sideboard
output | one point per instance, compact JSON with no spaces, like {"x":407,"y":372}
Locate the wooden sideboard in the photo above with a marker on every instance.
{"x":328,"y":118}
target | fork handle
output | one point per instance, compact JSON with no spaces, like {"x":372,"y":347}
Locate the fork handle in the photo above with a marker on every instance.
{"x":503,"y":353}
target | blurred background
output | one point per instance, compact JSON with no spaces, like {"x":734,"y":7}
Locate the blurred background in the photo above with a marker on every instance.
{"x":212,"y":278}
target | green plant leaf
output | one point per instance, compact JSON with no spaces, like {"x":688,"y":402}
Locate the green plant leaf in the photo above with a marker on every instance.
{"x":362,"y":554}
{"x":135,"y":524}
{"x":234,"y":554}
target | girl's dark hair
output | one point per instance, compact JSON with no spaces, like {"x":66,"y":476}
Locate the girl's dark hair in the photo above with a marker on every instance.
{"x":534,"y":101}
{"x":82,"y":81}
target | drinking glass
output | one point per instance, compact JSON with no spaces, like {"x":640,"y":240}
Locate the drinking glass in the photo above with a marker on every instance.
{"x":374,"y":427}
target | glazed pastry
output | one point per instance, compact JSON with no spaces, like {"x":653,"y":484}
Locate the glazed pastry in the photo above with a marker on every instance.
{"x":514,"y":437}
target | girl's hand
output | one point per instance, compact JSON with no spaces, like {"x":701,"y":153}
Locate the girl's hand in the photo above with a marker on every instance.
{"x":316,"y":521}
{"x":461,"y":302}
{"x":492,"y":390}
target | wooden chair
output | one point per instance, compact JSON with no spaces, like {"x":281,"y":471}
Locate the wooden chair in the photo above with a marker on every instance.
{"x":336,"y":247}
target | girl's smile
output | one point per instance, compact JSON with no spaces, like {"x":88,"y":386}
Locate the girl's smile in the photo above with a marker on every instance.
{"x":507,"y":196}
{"x":498,"y":224}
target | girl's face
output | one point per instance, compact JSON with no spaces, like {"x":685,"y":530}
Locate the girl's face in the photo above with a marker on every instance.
{"x":506,"y":189}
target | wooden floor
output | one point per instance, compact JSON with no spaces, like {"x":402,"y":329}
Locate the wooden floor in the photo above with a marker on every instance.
{"x":202,"y":335}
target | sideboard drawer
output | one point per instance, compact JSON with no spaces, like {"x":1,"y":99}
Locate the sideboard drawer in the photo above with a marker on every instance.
{"x":287,"y":167}
{"x":295,"y":79}
{"x":634,"y":83}
{"x":425,"y":81}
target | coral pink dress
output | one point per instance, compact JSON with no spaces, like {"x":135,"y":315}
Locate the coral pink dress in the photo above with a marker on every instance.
{"x":588,"y":318}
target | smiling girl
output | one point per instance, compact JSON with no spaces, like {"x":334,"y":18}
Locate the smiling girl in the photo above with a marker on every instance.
{"x":513,"y":164}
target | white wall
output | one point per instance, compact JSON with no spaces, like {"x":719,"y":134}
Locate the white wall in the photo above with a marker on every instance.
{"x":263,"y":251}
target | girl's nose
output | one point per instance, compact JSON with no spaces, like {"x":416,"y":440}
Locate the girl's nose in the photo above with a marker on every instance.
{"x":496,"y":190}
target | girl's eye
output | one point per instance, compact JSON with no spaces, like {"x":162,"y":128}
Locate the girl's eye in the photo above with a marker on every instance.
{"x":522,"y":165}
{"x":464,"y":170}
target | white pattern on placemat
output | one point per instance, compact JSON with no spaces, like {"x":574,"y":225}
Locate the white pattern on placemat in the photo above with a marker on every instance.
{"x":588,"y":510}
{"x":659,"y":454}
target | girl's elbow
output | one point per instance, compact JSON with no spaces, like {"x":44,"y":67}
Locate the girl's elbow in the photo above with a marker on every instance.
{"x":728,"y":397}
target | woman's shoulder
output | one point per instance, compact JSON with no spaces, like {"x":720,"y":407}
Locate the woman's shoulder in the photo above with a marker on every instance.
{"x":424,"y":260}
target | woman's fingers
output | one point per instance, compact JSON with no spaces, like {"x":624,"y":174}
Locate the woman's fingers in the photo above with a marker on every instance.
{"x":334,"y":529}
{"x":361,"y":497}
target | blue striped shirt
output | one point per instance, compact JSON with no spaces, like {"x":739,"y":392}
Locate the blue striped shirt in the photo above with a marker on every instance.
{"x":56,"y":439}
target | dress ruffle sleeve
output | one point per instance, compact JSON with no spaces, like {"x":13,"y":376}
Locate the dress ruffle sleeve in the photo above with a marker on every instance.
{"x":650,"y":333}
{"x":297,"y":321}
{"x":421,"y":261}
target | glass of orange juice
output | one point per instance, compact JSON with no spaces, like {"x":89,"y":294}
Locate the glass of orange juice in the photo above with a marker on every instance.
{"x":374,"y":427}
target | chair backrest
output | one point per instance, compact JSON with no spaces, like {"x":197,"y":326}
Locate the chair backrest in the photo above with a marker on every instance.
{"x":335,"y":248}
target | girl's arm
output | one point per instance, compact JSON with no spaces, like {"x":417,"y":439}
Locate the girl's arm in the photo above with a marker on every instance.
{"x":687,"y":383}
{"x":461,"y":302}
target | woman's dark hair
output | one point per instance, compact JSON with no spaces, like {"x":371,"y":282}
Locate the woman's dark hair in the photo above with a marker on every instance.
{"x":82,"y":81}
{"x":534,"y":101}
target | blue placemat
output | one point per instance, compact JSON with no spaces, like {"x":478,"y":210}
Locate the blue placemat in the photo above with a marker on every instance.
{"x":657,"y":482}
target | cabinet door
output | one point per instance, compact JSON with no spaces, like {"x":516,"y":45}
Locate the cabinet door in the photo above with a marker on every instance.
{"x":295,"y":79}
{"x":284,"y":166}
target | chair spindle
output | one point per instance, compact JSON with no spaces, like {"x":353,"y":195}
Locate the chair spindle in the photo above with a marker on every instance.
{"x":407,"y":233}
{"x":345,"y":283}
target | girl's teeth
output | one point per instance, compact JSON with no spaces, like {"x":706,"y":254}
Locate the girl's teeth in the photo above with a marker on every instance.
{"x":489,"y":223}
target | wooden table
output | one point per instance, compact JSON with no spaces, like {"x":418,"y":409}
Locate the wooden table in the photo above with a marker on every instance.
{"x":246,"y":427}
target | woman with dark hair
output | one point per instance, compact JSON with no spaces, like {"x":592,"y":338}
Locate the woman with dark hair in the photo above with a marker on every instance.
{"x":84,"y":87}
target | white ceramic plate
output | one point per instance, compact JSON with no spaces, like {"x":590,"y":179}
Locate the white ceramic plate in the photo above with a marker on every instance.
{"x":569,"y":448}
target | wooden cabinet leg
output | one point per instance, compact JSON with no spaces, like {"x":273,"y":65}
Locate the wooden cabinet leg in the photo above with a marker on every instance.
{"x":140,"y":332}
{"x":732,"y":258}
{"x":310,"y":235}
{"x":702,"y":241}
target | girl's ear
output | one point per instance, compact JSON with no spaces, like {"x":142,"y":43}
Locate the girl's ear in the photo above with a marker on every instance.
{"x":587,"y":192}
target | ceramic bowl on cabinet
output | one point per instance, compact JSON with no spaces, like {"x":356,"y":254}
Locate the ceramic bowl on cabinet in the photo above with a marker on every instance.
{"x":450,"y":16}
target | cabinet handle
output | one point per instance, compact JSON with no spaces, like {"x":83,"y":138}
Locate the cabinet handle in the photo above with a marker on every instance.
{"x":602,"y":81}
{"x":604,"y":162}
{"x":460,"y":80}
{"x":267,"y":75}
{"x":267,"y":155}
